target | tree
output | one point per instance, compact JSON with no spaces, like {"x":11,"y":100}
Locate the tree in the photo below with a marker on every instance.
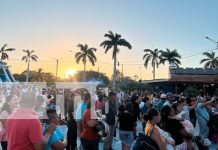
{"x":4,"y":51}
{"x":114,"y":40}
{"x":27,"y":58}
{"x":92,"y":75}
{"x":211,"y":61}
{"x":38,"y":75}
{"x":170,"y":57}
{"x":154,"y":57}
{"x":85,"y":52}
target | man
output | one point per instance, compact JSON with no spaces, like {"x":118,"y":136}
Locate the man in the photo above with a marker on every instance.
{"x":170,"y":99}
{"x":161,"y":102}
{"x":24,"y":129}
{"x":110,"y":112}
{"x":136,"y":100}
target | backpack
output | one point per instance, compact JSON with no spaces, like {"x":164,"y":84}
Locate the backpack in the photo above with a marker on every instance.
{"x":144,"y":142}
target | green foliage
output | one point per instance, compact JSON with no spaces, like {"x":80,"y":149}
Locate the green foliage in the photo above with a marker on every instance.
{"x":35,"y":76}
{"x":129,"y":84}
{"x":210,"y":60}
{"x":191,"y":91}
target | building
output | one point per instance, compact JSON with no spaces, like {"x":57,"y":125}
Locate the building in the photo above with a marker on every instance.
{"x":206,"y":80}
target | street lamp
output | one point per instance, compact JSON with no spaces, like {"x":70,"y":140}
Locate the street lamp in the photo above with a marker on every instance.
{"x":211,"y":40}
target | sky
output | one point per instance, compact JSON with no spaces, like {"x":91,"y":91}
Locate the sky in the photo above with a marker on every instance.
{"x":53,"y":27}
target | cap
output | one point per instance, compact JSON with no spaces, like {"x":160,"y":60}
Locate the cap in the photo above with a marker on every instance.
{"x":163,"y":96}
{"x":111,"y":94}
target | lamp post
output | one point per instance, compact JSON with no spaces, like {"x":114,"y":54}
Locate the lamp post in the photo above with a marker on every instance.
{"x":216,"y":42}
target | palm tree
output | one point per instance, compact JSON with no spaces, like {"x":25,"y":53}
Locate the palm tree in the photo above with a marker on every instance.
{"x":3,"y":51}
{"x":154,"y":57}
{"x":27,"y":58}
{"x":38,"y":75}
{"x":211,"y":61}
{"x":85,"y":52}
{"x":114,"y":40}
{"x":172,"y":57}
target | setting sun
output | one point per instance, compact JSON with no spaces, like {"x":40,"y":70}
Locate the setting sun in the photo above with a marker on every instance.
{"x":70,"y":73}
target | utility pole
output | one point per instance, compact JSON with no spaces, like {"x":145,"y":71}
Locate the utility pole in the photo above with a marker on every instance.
{"x":57,"y":69}
{"x":57,"y":65}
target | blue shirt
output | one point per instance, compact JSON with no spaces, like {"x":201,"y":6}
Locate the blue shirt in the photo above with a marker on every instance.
{"x":160,"y":104}
{"x":80,"y":111}
{"x":56,"y":136}
{"x":202,"y":113}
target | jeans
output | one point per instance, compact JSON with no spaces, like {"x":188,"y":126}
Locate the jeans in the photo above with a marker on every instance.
{"x":89,"y":144}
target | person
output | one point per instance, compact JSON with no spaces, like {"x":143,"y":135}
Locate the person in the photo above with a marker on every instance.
{"x":8,"y":107}
{"x":203,"y":116}
{"x":39,"y":106}
{"x":99,"y":104}
{"x":174,"y":127}
{"x":24,"y":130}
{"x":146,"y":106}
{"x":154,"y":100}
{"x":153,"y":118}
{"x":126,"y":122}
{"x":56,"y":140}
{"x":80,"y":112}
{"x":136,"y":100}
{"x":72,"y":127}
{"x":89,"y":138}
{"x":161,"y":102}
{"x":169,"y":99}
{"x":110,"y":112}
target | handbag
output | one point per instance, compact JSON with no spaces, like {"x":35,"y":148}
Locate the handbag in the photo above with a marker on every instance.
{"x":145,"y":142}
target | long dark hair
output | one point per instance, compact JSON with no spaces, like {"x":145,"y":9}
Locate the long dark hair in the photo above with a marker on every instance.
{"x":6,"y":107}
{"x":165,"y":113}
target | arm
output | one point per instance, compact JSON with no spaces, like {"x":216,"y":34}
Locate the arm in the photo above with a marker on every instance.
{"x":59,"y":145}
{"x":40,"y":145}
{"x":208,"y":102}
{"x":194,"y":106}
{"x":159,"y":140}
{"x":138,"y":101}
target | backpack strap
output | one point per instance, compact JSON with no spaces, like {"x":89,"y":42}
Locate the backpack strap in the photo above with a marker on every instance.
{"x":152,"y":130}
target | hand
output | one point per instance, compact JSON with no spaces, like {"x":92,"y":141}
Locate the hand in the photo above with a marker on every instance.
{"x":51,"y":128}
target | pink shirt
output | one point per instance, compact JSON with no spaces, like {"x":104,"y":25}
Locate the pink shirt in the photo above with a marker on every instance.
{"x":23,"y":129}
{"x":99,"y":105}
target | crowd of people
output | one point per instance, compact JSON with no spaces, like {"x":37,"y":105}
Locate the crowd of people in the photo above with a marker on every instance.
{"x":169,"y":121}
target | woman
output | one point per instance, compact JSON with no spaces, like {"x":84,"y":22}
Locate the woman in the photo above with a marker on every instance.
{"x":72,"y":127}
{"x":153,"y":118}
{"x":7,"y":108}
{"x":174,"y":127}
{"x":126,"y":126}
{"x":89,"y":138}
